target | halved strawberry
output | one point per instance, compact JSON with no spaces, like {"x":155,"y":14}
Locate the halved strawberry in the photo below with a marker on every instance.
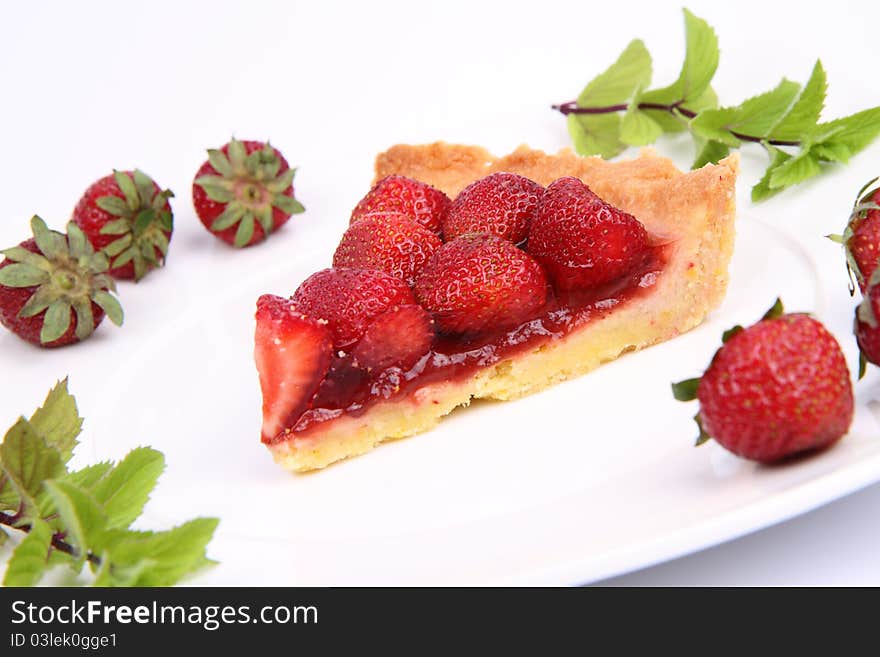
{"x":398,"y":337}
{"x":292,"y":353}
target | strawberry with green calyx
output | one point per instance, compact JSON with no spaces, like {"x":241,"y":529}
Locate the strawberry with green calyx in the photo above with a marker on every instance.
{"x":244,"y":191}
{"x":128,"y":216}
{"x":861,"y":239}
{"x":777,"y":388}
{"x":54,"y":288}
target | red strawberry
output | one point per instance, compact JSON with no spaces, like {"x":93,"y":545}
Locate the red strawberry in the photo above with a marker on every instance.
{"x":349,"y":299}
{"x":396,"y":338}
{"x":292,"y":353}
{"x":417,"y":200}
{"x":862,"y":236}
{"x":54,"y":289}
{"x":777,"y":388}
{"x":244,"y":191}
{"x":867,"y":326}
{"x":480,"y":282}
{"x":502,"y":204}
{"x":127,"y":215}
{"x":390,"y":242}
{"x":581,"y":240}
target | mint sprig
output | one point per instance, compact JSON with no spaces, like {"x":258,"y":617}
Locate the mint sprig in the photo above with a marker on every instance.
{"x":617,"y":110}
{"x":84,"y":516}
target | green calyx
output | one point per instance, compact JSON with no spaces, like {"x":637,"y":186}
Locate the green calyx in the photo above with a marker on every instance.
{"x":142,"y":223}
{"x":68,"y":275}
{"x":250,"y":186}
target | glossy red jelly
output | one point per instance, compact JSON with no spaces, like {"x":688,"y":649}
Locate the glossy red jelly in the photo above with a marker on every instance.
{"x":351,"y":390}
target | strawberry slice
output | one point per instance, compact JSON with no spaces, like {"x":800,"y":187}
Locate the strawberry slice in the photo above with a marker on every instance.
{"x":292,"y":353}
{"x":398,"y":337}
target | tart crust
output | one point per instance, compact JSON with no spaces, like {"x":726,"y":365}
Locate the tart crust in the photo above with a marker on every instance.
{"x":693,"y":211}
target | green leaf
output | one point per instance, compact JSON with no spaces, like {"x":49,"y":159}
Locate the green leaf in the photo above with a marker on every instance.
{"x":703,"y":437}
{"x":145,"y":186}
{"x":77,"y":242}
{"x":38,"y":302}
{"x":30,"y":560}
{"x":855,"y":131}
{"x":729,"y":333}
{"x":776,"y":310}
{"x":618,"y":83}
{"x":264,"y":216}
{"x":832,"y":152}
{"x":280,"y":184}
{"x":686,"y":390}
{"x":125,"y":257}
{"x":20,"y":274}
{"x":118,"y":246}
{"x":128,"y":188}
{"x":56,"y":321}
{"x":143,"y":220}
{"x":710,"y":153}
{"x":81,"y":516}
{"x":762,"y":189}
{"x":700,"y":64}
{"x":58,"y":420}
{"x":18,"y":254}
{"x":52,"y":244}
{"x":804,"y":114}
{"x":169,"y":555}
{"x":111,"y":306}
{"x":27,"y":462}
{"x":161,"y":242}
{"x":124,"y":491}
{"x":596,"y":134}
{"x":220,"y":162}
{"x":113,"y":205}
{"x":230,"y":216}
{"x":85,"y":319}
{"x":287,"y":204}
{"x":166,"y":219}
{"x":216,"y":188}
{"x":245,"y":231}
{"x":795,"y":170}
{"x":237,"y":154}
{"x":88,"y":477}
{"x":116,"y":227}
{"x":637,"y":128}
{"x":756,"y":116}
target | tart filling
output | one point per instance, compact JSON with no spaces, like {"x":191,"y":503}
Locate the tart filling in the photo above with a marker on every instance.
{"x":689,"y":217}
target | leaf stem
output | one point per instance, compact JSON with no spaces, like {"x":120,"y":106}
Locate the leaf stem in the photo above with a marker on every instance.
{"x":572,"y":107}
{"x":58,"y":541}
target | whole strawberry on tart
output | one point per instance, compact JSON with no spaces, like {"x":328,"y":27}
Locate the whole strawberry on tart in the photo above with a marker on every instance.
{"x":549,"y":266}
{"x":244,"y":192}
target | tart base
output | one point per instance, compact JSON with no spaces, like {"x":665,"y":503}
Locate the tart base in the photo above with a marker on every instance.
{"x":692,"y":212}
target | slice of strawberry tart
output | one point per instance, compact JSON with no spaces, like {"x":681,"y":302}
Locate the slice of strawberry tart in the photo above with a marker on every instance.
{"x":463,"y":276}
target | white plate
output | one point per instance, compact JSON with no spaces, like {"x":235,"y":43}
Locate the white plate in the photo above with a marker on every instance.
{"x":588,"y":479}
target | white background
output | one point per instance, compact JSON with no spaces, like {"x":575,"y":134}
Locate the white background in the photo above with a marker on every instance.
{"x":88,"y":86}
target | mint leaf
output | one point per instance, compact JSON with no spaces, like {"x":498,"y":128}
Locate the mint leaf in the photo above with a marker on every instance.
{"x":164,"y":557}
{"x":82,"y":517}
{"x":124,"y":491}
{"x":804,"y":114}
{"x":762,"y":190}
{"x":89,"y":476}
{"x":832,"y":152}
{"x":854,"y":132}
{"x":27,"y":462}
{"x":30,"y":560}
{"x":795,"y":170}
{"x":619,"y":82}
{"x":637,"y":128}
{"x":756,"y":116}
{"x":700,"y":64}
{"x":596,"y":134}
{"x":58,"y":420}
{"x":710,"y":153}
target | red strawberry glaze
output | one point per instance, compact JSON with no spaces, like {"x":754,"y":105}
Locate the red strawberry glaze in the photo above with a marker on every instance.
{"x":352,"y":391}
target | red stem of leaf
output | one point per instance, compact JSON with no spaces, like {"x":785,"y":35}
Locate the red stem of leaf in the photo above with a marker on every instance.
{"x":572,"y":107}
{"x":58,"y":541}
